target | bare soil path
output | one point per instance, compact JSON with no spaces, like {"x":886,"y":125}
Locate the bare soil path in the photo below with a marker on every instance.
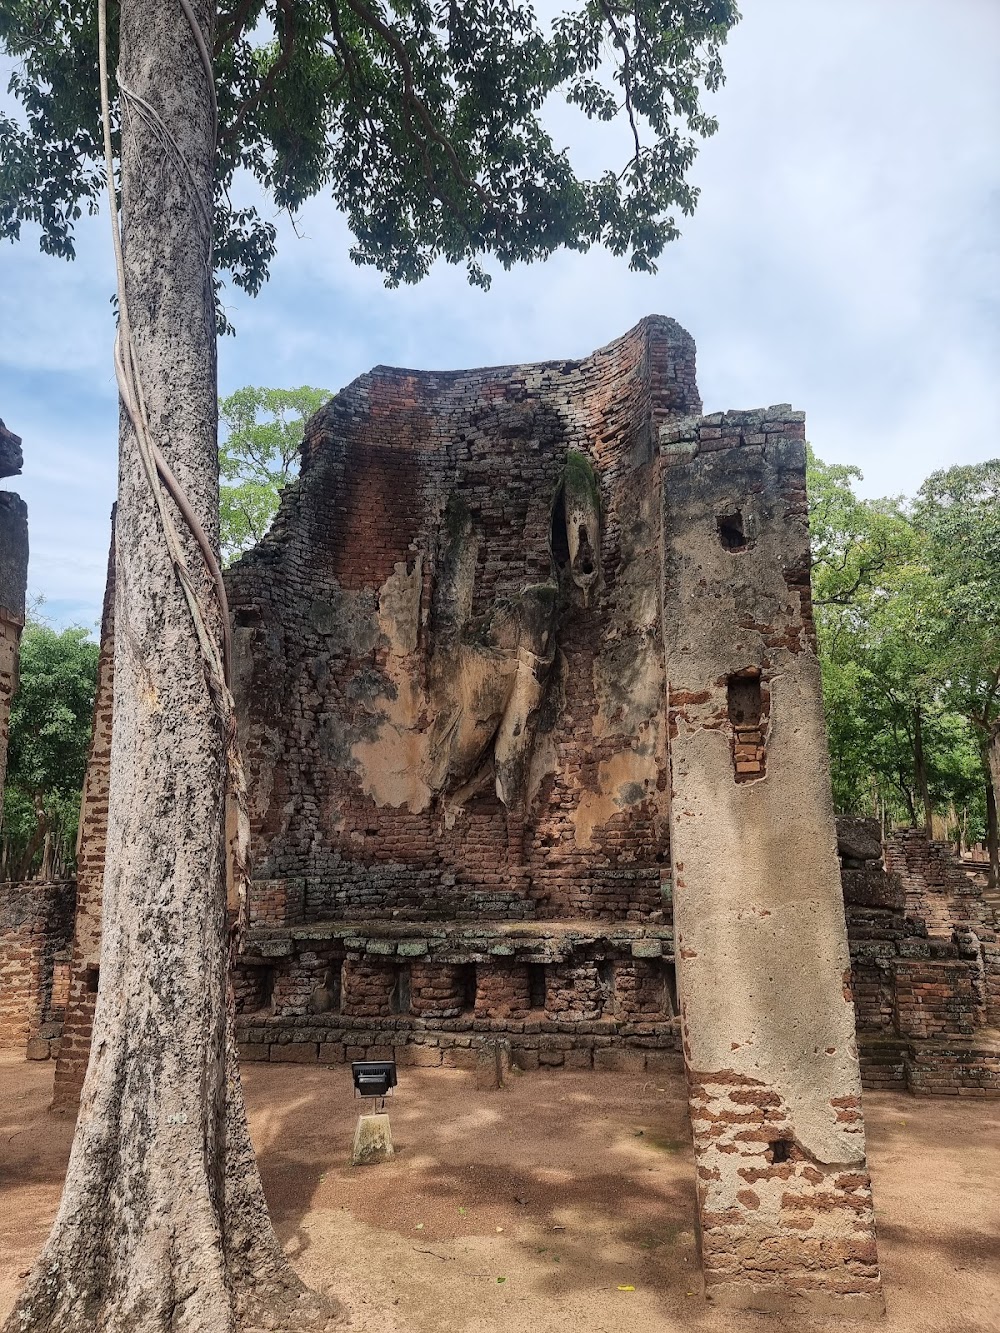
{"x":562,"y":1204}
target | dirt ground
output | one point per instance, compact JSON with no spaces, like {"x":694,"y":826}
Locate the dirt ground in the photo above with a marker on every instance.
{"x":561,"y":1204}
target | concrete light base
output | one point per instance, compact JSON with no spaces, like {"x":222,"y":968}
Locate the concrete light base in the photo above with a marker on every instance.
{"x":372,"y":1140}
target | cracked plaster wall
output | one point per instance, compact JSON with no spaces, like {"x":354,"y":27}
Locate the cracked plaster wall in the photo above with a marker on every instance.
{"x":762,"y":956}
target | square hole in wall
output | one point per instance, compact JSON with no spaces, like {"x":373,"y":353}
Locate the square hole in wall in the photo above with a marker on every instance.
{"x":92,"y":976}
{"x":732,"y":533}
{"x":744,"y":699}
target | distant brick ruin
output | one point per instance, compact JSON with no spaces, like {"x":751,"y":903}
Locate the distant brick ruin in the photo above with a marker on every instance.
{"x":531,"y":713}
{"x":926,"y":965}
{"x":32,"y":918}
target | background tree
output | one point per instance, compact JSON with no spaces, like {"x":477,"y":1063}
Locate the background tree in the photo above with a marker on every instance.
{"x":424,"y":123}
{"x":258,"y":458}
{"x":901,"y":747}
{"x":959,"y":510}
{"x":50,"y":719}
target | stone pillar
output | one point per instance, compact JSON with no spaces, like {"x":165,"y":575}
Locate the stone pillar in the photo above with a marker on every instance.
{"x":84,"y":969}
{"x":13,"y":583}
{"x":784,"y":1197}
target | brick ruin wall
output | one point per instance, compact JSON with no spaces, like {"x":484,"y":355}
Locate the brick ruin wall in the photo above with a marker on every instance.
{"x":351,"y":614}
{"x":479,"y":798}
{"x":925,"y":965}
{"x":36,"y":924}
{"x":392,"y":580}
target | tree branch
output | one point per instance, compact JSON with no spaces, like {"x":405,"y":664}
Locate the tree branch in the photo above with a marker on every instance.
{"x":622,"y":44}
{"x":412,"y":99}
{"x":286,"y":47}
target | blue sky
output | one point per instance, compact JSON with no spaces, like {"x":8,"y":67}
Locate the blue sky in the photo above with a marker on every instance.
{"x":844,"y":257}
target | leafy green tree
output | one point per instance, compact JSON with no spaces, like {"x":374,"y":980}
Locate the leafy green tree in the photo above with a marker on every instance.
{"x":50,"y":722}
{"x":959,"y":510}
{"x":899,"y":746}
{"x":855,"y":542}
{"x":425,"y":123}
{"x":258,"y":458}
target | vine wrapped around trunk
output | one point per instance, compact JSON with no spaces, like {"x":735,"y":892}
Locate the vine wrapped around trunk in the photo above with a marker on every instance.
{"x":163,"y":1224}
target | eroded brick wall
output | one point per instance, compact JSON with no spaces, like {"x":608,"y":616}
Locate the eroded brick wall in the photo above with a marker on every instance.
{"x":925,"y":965}
{"x":36,"y":923}
{"x":337,"y":629}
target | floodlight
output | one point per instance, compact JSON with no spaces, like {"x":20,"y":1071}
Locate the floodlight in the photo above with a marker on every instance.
{"x":373,"y":1078}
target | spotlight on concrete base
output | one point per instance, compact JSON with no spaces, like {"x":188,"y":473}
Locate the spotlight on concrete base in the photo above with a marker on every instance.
{"x":374,"y":1078}
{"x":373,"y":1137}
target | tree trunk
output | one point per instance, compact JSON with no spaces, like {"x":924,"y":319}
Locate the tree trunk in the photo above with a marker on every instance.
{"x":992,"y":758}
{"x":920,"y":772}
{"x":162,"y":1224}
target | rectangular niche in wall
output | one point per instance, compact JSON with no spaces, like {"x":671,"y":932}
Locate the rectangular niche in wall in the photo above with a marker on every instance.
{"x":731,"y":531}
{"x":254,"y":989}
{"x":747,"y":703}
{"x":326,"y":998}
{"x":465,"y":978}
{"x":606,"y":978}
{"x":401,"y":991}
{"x":536,"y":985}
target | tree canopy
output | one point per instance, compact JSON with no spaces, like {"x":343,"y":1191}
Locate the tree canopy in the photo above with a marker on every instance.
{"x":50,"y":721}
{"x":257,"y":458}
{"x":907,"y":597}
{"x":425,"y":122}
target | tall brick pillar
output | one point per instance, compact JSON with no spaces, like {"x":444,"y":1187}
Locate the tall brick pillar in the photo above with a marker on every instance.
{"x":74,"y":1051}
{"x":13,"y":583}
{"x":763,"y":968}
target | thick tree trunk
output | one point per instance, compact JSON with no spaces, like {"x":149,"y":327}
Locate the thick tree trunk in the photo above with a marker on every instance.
{"x":162,"y":1224}
{"x":992,"y":757}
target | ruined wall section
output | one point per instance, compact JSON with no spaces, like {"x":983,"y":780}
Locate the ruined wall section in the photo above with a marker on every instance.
{"x":762,"y":959}
{"x":925,"y":965}
{"x":85,"y":956}
{"x":460,"y":595}
{"x":36,"y":922}
{"x":13,"y":583}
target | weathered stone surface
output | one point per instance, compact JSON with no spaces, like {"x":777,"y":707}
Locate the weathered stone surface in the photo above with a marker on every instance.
{"x":761,"y":944}
{"x":859,"y":839}
{"x":372,"y":1141}
{"x":872,"y":888}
